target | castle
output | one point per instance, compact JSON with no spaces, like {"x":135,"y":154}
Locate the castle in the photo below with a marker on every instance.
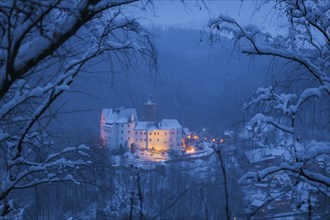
{"x":121,"y":129}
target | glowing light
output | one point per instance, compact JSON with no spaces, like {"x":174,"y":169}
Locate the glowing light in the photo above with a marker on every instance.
{"x":190,"y":150}
{"x":196,"y":137}
{"x":213,"y":140}
{"x":221,"y":140}
{"x":188,"y":136}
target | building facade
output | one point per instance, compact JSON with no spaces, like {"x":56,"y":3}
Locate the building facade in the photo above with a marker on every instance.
{"x":121,"y":129}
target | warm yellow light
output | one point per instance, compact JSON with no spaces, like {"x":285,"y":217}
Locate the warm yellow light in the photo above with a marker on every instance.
{"x":190,"y":150}
{"x":213,"y":140}
{"x":221,"y":140}
{"x":188,"y":136}
{"x":196,"y":137}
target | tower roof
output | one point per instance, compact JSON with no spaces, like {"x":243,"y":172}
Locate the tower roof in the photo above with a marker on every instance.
{"x":149,"y":102}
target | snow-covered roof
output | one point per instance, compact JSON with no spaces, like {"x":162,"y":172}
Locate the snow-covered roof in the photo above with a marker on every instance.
{"x":119,"y":115}
{"x":261,"y":154}
{"x":147,"y":125}
{"x":168,"y":124}
{"x":165,"y":124}
{"x":281,"y":152}
{"x":149,"y":102}
{"x":258,"y":155}
{"x":186,"y":131}
{"x":257,"y":203}
{"x":283,"y":178}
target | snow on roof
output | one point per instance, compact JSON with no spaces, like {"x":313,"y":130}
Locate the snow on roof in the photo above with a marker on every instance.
{"x":186,"y":131}
{"x":281,"y":152}
{"x":276,"y":194}
{"x":149,"y":102}
{"x":119,"y":115}
{"x":261,"y":154}
{"x":257,"y":203}
{"x":165,"y":124}
{"x":283,"y":178}
{"x":168,"y":124}
{"x":258,"y":155}
{"x":147,"y":125}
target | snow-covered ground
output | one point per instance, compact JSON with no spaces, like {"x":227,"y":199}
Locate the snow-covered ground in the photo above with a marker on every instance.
{"x":151,"y":159}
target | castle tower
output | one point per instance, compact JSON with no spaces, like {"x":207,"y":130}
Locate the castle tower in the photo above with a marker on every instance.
{"x":149,"y":111}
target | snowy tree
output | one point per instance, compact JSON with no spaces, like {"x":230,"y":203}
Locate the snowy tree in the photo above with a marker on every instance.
{"x":44,"y":45}
{"x":299,"y":92}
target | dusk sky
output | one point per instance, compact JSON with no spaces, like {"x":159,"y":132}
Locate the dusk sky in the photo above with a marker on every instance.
{"x":195,"y":14}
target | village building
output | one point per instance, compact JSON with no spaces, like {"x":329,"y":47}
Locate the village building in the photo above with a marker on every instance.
{"x":121,"y":130}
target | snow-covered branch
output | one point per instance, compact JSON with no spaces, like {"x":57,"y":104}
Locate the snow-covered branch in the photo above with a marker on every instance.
{"x":260,"y":119}
{"x":297,"y":168}
{"x":53,"y":169}
{"x":290,"y":46}
{"x":43,"y":48}
{"x":299,"y":102}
